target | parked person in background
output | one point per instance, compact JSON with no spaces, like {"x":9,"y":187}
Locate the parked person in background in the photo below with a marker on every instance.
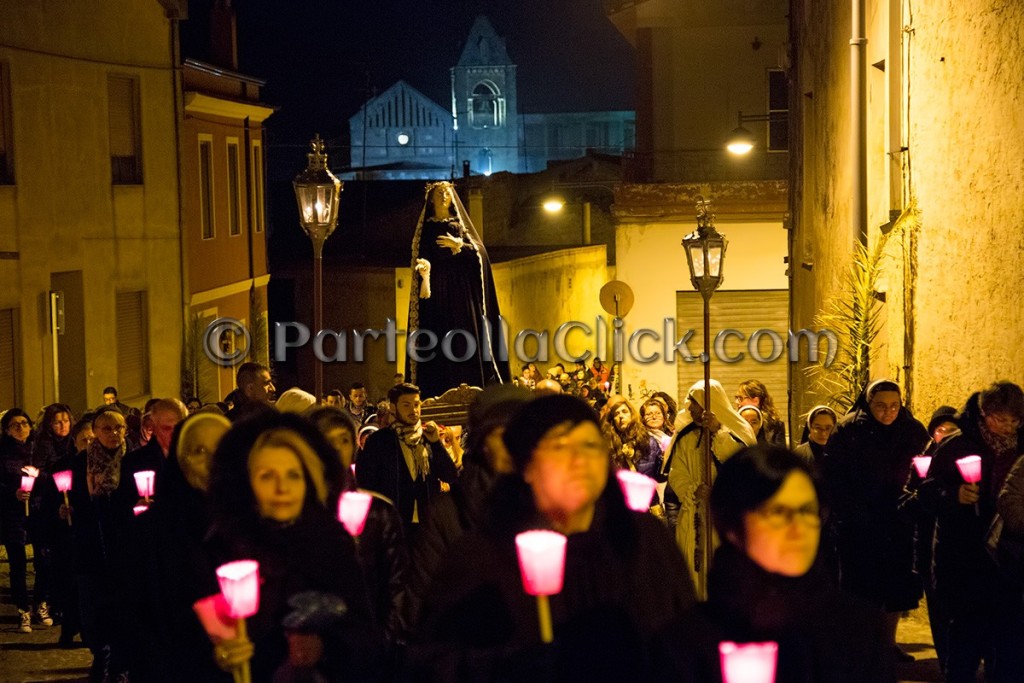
{"x":985,"y":610}
{"x":633,"y":447}
{"x":653,"y":415}
{"x":671,"y":410}
{"x":867,"y":461}
{"x":752,"y":414}
{"x":623,"y":579}
{"x":255,"y":391}
{"x":766,"y":586}
{"x":754,"y":393}
{"x":110,"y":399}
{"x":821,"y":422}
{"x":357,"y":407}
{"x":334,"y":399}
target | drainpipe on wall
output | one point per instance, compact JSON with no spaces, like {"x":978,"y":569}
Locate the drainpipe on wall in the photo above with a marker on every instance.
{"x":858,"y":129}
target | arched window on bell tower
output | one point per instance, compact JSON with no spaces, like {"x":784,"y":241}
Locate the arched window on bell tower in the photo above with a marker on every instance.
{"x":486,"y":106}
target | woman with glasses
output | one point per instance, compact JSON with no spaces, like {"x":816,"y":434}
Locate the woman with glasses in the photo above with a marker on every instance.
{"x":766,"y":584}
{"x":15,"y":457}
{"x":867,"y":461}
{"x":986,"y":616}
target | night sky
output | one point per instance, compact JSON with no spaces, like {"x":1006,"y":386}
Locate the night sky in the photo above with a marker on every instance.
{"x":323,"y":58}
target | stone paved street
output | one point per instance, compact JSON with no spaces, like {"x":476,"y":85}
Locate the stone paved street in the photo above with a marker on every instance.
{"x":30,"y":657}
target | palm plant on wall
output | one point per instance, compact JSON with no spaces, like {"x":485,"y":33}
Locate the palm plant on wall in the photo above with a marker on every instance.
{"x":853,"y":314}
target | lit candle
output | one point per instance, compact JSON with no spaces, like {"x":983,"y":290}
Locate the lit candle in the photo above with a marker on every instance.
{"x":748,"y":662}
{"x":144,"y":483}
{"x":27,"y":482}
{"x":542,"y":567}
{"x":63,"y":482}
{"x":353,"y":508}
{"x":240,"y":586}
{"x":921,"y":464}
{"x":970,"y":468}
{"x":637,"y":488}
{"x":139,"y":509}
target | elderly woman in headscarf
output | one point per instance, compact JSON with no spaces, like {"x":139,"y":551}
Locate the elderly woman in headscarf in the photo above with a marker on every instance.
{"x":623,"y":579}
{"x":728,"y":432}
{"x":867,"y":462}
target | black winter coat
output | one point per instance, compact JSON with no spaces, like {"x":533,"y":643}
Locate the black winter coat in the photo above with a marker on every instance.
{"x":865,"y":466}
{"x":381,"y":467}
{"x":964,"y":572}
{"x":624,"y":581}
{"x":824,"y":635}
{"x":13,"y":522}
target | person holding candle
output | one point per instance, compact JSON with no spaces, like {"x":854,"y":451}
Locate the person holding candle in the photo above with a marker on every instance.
{"x":381,"y":550}
{"x":768,"y":584}
{"x":100,"y":536}
{"x":867,"y":460}
{"x":465,"y":509}
{"x":170,"y":567}
{"x":268,"y":494}
{"x":15,"y":505}
{"x":985,"y":611}
{"x":624,"y":579}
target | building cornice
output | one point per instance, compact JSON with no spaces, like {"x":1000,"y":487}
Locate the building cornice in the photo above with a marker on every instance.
{"x":198,"y":103}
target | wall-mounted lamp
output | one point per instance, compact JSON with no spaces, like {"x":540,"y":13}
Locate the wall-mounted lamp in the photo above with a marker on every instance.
{"x":741,"y":140}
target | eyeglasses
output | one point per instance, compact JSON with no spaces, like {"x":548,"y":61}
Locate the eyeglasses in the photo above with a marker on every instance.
{"x":780,"y":516}
{"x":118,"y":429}
{"x":18,"y":424}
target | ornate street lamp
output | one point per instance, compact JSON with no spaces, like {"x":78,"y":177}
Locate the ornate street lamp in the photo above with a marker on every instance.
{"x":317,"y":192}
{"x":705,"y":256}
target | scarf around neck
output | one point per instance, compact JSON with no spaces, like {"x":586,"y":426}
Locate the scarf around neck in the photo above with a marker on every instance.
{"x":103,"y":468}
{"x":417,"y":456}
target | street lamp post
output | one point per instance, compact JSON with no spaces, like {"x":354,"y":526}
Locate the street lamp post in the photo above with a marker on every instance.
{"x":317,"y":192}
{"x":705,"y":256}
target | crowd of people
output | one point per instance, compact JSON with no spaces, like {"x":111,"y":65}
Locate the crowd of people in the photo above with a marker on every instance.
{"x":819,"y":548}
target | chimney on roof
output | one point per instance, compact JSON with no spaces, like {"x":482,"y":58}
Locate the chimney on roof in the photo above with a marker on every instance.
{"x":223,"y":35}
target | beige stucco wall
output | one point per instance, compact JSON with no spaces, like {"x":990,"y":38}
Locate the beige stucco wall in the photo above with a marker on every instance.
{"x":652,"y":262}
{"x":957,"y":109}
{"x":63,"y":214}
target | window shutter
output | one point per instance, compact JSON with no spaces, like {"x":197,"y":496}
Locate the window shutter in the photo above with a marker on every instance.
{"x":121,"y":91}
{"x":8,"y":379}
{"x":747,"y":312}
{"x":132,"y":344}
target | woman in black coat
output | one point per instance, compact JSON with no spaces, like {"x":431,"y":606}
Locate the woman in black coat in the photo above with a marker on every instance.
{"x":985,"y":610}
{"x":767,"y":585}
{"x":268,"y":490}
{"x":624,"y":577}
{"x":16,"y":454}
{"x":867,"y":461}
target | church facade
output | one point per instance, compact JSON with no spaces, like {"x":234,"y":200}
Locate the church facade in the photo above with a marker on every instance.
{"x":403,"y":134}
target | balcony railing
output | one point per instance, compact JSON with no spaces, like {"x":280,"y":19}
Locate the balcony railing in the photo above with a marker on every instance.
{"x":703,"y":166}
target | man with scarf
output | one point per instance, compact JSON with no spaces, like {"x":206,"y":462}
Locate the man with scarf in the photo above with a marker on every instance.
{"x":407,"y":461}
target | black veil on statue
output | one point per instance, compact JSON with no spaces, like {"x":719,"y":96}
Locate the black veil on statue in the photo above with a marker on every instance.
{"x":453,"y":294}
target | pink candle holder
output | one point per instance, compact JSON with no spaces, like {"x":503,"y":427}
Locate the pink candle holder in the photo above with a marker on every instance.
{"x":542,"y":567}
{"x":748,"y":662}
{"x":213,"y":615}
{"x":139,"y":509}
{"x":921,"y":464}
{"x":63,"y":481}
{"x":353,"y":508}
{"x":970,"y":468}
{"x":144,"y":481}
{"x":637,"y":488}
{"x":240,"y":586}
{"x":27,"y":483}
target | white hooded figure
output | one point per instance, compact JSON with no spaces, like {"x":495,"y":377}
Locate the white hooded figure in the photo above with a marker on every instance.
{"x":729,"y":433}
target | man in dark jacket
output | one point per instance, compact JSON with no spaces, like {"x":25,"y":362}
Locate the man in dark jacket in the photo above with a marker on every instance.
{"x":407,"y":461}
{"x":164,"y":415}
{"x":986,"y":614}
